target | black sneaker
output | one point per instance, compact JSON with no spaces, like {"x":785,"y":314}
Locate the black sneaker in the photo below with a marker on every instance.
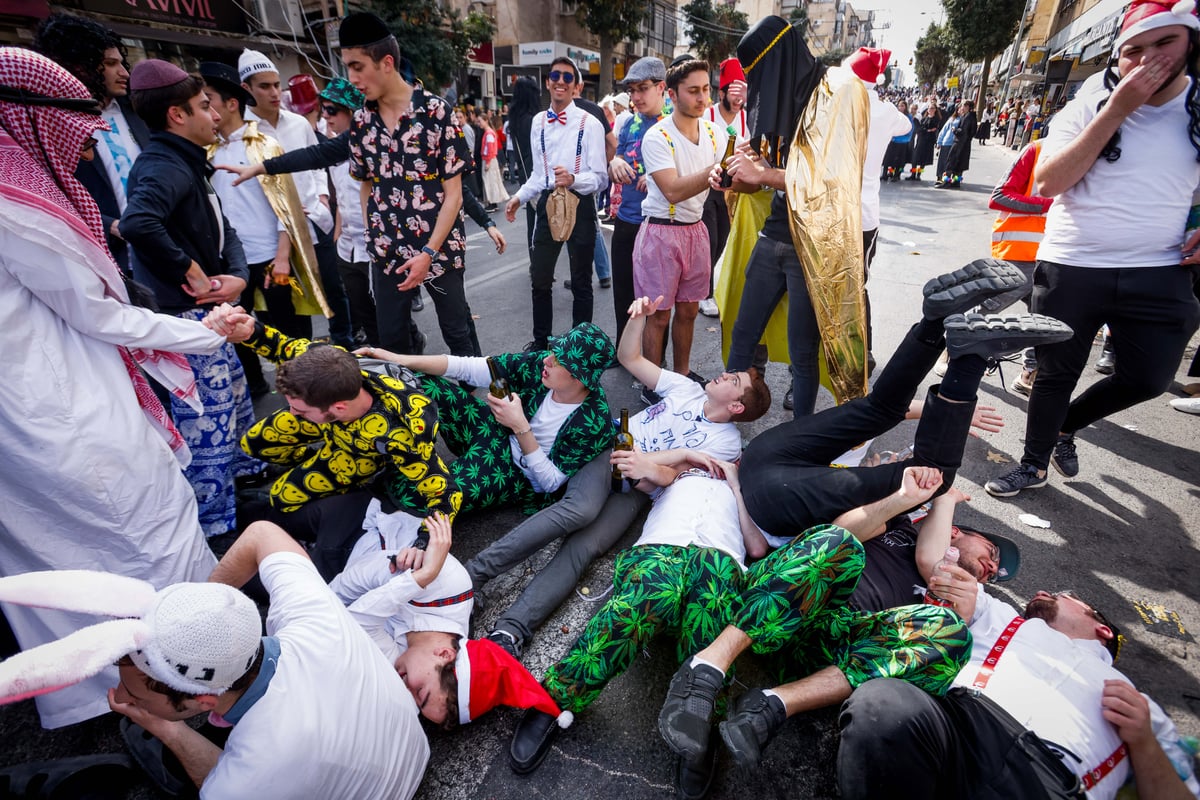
{"x":1022,"y":476}
{"x":1106,"y":364}
{"x":418,"y":304}
{"x":993,"y":335}
{"x":752,"y":726}
{"x":606,"y":283}
{"x":536,"y":346}
{"x":686,"y":717}
{"x":789,"y":401}
{"x":1064,"y":459}
{"x":507,"y":642}
{"x":693,"y":779}
{"x":963,"y":289}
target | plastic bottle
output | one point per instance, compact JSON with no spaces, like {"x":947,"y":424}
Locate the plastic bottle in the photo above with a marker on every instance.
{"x":950,"y":559}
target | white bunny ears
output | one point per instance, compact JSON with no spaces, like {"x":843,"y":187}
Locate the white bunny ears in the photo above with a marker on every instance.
{"x":197,"y":638}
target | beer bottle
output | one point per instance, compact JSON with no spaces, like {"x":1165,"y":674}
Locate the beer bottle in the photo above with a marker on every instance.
{"x":623,"y":440}
{"x":950,"y":559}
{"x":499,"y":386}
{"x":730,"y":143}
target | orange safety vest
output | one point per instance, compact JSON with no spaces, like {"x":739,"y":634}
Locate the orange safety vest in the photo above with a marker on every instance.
{"x":1015,"y":237}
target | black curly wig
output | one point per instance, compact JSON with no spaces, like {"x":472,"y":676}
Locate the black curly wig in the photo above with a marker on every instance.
{"x":78,"y":44}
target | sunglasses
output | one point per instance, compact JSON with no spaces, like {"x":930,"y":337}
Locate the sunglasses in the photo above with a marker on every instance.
{"x":566,"y":77}
{"x":329,"y":110}
{"x":1113,"y":645}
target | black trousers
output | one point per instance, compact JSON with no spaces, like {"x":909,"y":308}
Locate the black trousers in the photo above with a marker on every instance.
{"x":394,"y":312}
{"x":340,"y":331}
{"x":623,"y":238}
{"x":900,"y":742}
{"x":280,"y":314}
{"x":1152,"y":314}
{"x":716,"y":219}
{"x":356,"y":277}
{"x":787,"y":482}
{"x":332,"y":525}
{"x":543,"y":257}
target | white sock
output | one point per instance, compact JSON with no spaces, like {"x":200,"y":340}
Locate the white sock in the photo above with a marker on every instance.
{"x":697,"y":661}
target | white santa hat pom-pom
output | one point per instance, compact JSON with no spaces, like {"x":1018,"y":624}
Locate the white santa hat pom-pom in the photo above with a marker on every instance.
{"x":565,"y":719}
{"x":1183,"y":8}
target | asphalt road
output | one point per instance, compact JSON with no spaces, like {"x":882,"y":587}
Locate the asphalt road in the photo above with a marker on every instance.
{"x":1124,"y":531}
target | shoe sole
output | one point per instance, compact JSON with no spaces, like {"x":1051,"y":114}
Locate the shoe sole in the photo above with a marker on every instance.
{"x":987,"y":487}
{"x":1054,"y":463}
{"x":961,"y":290}
{"x":996,"y":335}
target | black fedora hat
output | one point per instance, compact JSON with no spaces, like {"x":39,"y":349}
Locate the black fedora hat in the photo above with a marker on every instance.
{"x":225,"y":78}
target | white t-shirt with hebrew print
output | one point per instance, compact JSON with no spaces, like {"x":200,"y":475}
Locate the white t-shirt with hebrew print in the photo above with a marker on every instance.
{"x":677,"y":421}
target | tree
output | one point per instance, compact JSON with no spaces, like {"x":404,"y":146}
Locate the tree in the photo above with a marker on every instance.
{"x":834,"y":58}
{"x":980,"y":30}
{"x":799,"y":20}
{"x":932,"y":55}
{"x":613,"y":21}
{"x":714,"y":32}
{"x":434,"y":39}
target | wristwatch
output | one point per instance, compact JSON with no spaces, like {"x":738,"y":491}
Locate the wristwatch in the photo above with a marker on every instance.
{"x":429,"y":251}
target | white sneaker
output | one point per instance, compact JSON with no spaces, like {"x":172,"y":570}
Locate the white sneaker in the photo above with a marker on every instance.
{"x":943,"y":363}
{"x":708,"y":307}
{"x":1188,"y":405}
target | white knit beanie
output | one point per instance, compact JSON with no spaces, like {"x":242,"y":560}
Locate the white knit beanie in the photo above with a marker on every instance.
{"x":252,"y":62}
{"x":205,"y":636}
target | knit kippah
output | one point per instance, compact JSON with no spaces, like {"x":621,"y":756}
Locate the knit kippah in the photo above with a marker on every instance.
{"x":252,"y":62}
{"x":204,"y":637}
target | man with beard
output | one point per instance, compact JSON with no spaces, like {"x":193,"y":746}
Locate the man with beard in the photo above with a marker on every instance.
{"x":1106,"y":257}
{"x":1048,"y":670}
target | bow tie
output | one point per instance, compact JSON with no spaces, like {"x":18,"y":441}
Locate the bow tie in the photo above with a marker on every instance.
{"x":560,"y":118}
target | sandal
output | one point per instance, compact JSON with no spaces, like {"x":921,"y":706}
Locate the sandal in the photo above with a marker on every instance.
{"x":150,"y":754}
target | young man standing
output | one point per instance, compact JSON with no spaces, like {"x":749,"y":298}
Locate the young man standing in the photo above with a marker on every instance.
{"x":647,"y":91}
{"x":730,"y":112}
{"x":95,"y":55}
{"x":568,"y":153}
{"x":187,"y":253}
{"x":275,"y":234}
{"x":260,"y":78}
{"x":671,"y":255}
{"x":1127,"y":264}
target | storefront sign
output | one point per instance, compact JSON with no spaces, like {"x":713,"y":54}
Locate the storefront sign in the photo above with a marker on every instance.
{"x":215,"y":15}
{"x":535,"y":53}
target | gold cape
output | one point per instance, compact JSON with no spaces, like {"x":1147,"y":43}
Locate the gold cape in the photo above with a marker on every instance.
{"x":308,"y":295}
{"x":824,"y":188}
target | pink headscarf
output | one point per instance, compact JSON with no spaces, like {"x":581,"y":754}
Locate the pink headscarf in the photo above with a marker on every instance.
{"x":39,"y":151}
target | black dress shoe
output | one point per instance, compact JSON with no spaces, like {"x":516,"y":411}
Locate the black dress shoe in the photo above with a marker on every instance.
{"x":531,"y":741}
{"x":693,"y":779}
{"x":606,"y":283}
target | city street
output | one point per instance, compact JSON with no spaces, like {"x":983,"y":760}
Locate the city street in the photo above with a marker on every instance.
{"x":1126,"y":531}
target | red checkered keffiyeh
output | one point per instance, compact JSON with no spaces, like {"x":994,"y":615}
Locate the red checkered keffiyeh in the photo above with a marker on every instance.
{"x":39,"y":151}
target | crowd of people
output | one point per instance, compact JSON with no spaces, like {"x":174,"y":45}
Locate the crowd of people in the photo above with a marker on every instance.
{"x":164,"y":232}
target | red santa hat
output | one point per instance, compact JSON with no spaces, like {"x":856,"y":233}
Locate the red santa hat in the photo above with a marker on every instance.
{"x":731,"y":70}
{"x":1147,"y":15}
{"x":489,"y":677}
{"x":869,"y":63}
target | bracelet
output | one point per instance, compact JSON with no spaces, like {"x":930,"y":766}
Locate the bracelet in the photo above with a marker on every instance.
{"x":429,"y":251}
{"x":522,"y":433}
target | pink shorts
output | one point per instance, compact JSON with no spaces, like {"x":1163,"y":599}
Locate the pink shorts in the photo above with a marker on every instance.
{"x":672,"y":261}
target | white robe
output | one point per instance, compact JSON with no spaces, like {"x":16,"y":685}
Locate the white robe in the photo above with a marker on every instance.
{"x":85,"y":481}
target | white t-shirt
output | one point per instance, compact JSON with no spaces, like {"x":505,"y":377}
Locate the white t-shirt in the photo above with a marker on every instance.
{"x":678,"y":421}
{"x":336,"y":720}
{"x":1052,"y":684}
{"x":696,"y":510}
{"x":1131,"y":213}
{"x":664,"y":147}
{"x":738,"y":124}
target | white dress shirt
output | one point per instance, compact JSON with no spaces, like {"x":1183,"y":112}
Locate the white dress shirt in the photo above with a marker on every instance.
{"x":294,"y":133}
{"x":554,"y":145}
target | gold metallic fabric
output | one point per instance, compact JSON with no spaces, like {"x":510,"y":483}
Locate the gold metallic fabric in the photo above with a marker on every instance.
{"x":824,"y":190}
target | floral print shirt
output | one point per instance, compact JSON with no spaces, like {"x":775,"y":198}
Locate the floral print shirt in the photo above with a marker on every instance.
{"x":406,"y":168}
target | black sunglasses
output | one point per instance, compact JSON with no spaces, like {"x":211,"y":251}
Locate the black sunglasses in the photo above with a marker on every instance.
{"x":1113,"y":645}
{"x":566,"y":77}
{"x":329,"y":109}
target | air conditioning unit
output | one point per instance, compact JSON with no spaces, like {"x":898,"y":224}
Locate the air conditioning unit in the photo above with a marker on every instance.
{"x":280,"y":16}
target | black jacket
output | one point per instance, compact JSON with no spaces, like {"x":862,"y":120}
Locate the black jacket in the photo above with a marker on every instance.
{"x":94,"y":178}
{"x":170,"y":221}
